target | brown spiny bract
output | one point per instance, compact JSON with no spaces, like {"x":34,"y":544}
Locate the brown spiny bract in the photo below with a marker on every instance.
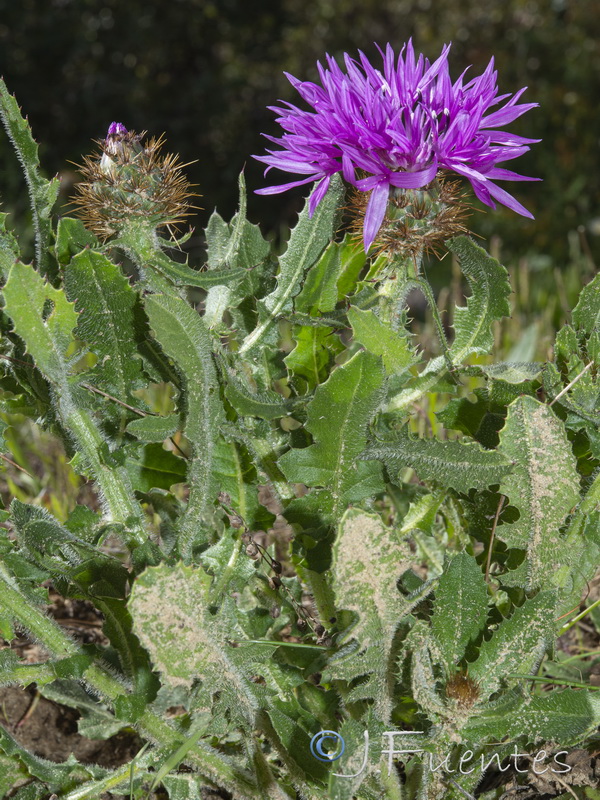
{"x":127,"y":181}
{"x":462,"y":689}
{"x":416,"y":220}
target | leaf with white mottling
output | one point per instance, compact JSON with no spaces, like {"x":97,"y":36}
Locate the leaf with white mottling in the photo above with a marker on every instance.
{"x":543,"y":485}
{"x":517,"y":645}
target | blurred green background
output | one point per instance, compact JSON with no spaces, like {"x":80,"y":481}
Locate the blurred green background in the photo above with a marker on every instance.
{"x":204,"y":71}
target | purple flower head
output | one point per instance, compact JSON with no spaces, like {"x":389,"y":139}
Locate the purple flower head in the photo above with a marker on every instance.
{"x":116,"y":129}
{"x":399,"y":127}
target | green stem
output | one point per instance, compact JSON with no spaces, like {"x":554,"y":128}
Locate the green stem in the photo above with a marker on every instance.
{"x":393,"y":787}
{"x":213,"y":765}
{"x":44,"y":630}
{"x":424,"y":286}
{"x":391,"y":301}
{"x":266,"y":461}
{"x":117,"y":779}
{"x":321,"y":591}
{"x":567,"y":626}
{"x":217,"y":588}
{"x":113,"y":481}
{"x":554,"y":682}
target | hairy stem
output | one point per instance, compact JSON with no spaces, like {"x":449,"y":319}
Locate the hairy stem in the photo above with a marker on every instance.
{"x":141,"y":244}
{"x":113,"y":481}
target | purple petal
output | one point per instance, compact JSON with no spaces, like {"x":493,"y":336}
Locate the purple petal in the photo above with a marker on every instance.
{"x":497,"y":173}
{"x":318,"y":194}
{"x":506,"y":115}
{"x":116,"y":129}
{"x":414,"y":180}
{"x":285,"y":186}
{"x":375,"y":213}
{"x":508,"y":200}
{"x":388,"y":123}
{"x":482,"y":193}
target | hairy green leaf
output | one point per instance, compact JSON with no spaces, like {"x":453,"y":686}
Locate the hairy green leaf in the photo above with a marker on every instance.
{"x":11,"y":772}
{"x":96,"y":721}
{"x":9,"y":248}
{"x":459,"y":610}
{"x":154,"y":428}
{"x":513,"y":371}
{"x":337,"y":419}
{"x":106,"y":322}
{"x":42,"y":193}
{"x":152,"y":467}
{"x":586,"y":314}
{"x":67,"y":774}
{"x":184,"y":338}
{"x":517,"y":645}
{"x":307,"y":242}
{"x":353,"y":258}
{"x":319,"y":293}
{"x":366,"y":566}
{"x":71,"y":238}
{"x":236,"y":475}
{"x":456,"y":464}
{"x":379,"y":339}
{"x":565,"y":717}
{"x":488,"y":302}
{"x":488,"y":281}
{"x":367,"y":563}
{"x":189,"y":641}
{"x":265,"y":403}
{"x":314,"y":351}
{"x":182,"y":275}
{"x":239,"y":244}
{"x":48,"y":336}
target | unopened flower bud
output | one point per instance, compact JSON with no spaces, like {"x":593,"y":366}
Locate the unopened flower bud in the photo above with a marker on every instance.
{"x":129,"y":182}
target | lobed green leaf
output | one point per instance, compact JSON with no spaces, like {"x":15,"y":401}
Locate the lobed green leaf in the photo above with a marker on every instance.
{"x":517,"y":645}
{"x":459,"y":609}
{"x":184,"y":338}
{"x":338,"y":417}
{"x":456,"y":464}
{"x":47,"y":336}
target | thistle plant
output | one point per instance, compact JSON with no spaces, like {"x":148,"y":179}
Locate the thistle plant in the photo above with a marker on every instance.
{"x":408,"y":615}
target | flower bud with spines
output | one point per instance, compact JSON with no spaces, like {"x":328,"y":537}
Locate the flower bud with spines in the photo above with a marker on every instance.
{"x":129,"y":182}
